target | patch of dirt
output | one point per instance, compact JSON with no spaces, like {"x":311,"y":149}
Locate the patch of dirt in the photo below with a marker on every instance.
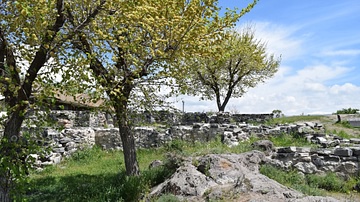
{"x":225,"y":165}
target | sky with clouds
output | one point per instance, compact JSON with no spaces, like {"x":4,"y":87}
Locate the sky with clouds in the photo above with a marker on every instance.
{"x":319,"y":43}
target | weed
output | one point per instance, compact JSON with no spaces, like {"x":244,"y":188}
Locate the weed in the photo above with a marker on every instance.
{"x":345,"y":124}
{"x":342,"y":134}
{"x":167,"y":198}
{"x":292,"y":139}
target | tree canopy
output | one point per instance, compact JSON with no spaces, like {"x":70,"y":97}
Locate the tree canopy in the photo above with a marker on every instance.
{"x":237,"y":63}
{"x":137,"y":46}
{"x":34,"y":39}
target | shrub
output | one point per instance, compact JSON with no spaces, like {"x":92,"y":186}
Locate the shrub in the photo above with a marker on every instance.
{"x":329,"y":182}
{"x":347,"y":111}
{"x":287,"y":178}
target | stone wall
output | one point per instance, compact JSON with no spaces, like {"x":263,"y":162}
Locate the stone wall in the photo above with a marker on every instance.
{"x":68,"y":118}
{"x":84,"y":129}
{"x":329,"y":152}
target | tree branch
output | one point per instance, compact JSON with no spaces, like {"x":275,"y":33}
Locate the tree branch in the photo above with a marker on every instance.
{"x":41,"y":54}
{"x":9,"y":69}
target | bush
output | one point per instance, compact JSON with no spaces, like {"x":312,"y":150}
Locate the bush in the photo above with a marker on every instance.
{"x":287,"y":178}
{"x":329,"y":182}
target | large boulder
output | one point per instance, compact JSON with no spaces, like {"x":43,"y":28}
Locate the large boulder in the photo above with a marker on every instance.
{"x":215,"y":176}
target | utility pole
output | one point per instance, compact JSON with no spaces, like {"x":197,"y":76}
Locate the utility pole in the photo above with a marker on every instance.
{"x":183,"y":109}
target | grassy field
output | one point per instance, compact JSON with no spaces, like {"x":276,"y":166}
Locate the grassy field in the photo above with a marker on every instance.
{"x":97,"y":175}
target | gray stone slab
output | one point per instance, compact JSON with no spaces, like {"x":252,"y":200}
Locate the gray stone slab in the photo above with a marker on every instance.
{"x":356,"y":151}
{"x":286,"y":150}
{"x":343,"y":152}
{"x":355,"y":140}
{"x":59,"y":150}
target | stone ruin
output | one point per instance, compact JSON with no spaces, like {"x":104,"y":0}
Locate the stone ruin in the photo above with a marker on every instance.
{"x":329,"y":153}
{"x":86,"y":129}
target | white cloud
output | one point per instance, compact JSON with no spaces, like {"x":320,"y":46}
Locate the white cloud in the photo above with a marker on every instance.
{"x":321,"y":73}
{"x":346,"y":88}
{"x":304,"y":84}
{"x":349,"y":52}
{"x":303,"y":92}
{"x":278,"y":38}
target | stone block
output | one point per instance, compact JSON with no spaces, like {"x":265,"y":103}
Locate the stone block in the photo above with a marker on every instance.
{"x":323,"y":152}
{"x":307,"y":168}
{"x":318,"y":161}
{"x":331,"y":158}
{"x":355,"y":140}
{"x":303,"y":149}
{"x":343,"y":152}
{"x":356,"y":151}
{"x":65,"y":140}
{"x":320,"y":140}
{"x":345,"y":141}
{"x":59,"y":150}
{"x":286,"y":150}
{"x":349,"y":158}
{"x":284,"y":155}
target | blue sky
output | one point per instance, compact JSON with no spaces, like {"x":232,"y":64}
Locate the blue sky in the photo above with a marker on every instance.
{"x":319,"y":42}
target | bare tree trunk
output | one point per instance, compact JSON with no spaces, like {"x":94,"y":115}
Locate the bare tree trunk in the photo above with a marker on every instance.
{"x":128,"y":142}
{"x":126,"y":134}
{"x":129,"y":149}
{"x":8,"y":145}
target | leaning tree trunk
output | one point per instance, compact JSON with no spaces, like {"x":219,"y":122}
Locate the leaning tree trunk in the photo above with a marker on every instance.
{"x":221,"y":106}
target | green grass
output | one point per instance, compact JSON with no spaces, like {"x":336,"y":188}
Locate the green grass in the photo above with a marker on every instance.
{"x":310,"y":184}
{"x":97,"y":175}
{"x":342,"y":134}
{"x":344,"y":124}
{"x":293,"y":119}
{"x":285,"y":140}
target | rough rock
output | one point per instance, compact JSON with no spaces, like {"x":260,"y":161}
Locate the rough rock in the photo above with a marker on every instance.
{"x":265,"y":145}
{"x":155,"y":163}
{"x":214,"y":176}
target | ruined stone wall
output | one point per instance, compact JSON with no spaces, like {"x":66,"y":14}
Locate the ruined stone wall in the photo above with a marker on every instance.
{"x":330,"y":153}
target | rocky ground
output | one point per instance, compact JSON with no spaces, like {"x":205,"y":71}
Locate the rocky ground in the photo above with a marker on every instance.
{"x":230,"y":177}
{"x":236,"y":177}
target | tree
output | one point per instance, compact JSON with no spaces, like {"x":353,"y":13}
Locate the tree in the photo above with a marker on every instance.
{"x":277,"y":113}
{"x":31,"y":32}
{"x":137,"y":46}
{"x":238,"y":62}
{"x":348,"y":111}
